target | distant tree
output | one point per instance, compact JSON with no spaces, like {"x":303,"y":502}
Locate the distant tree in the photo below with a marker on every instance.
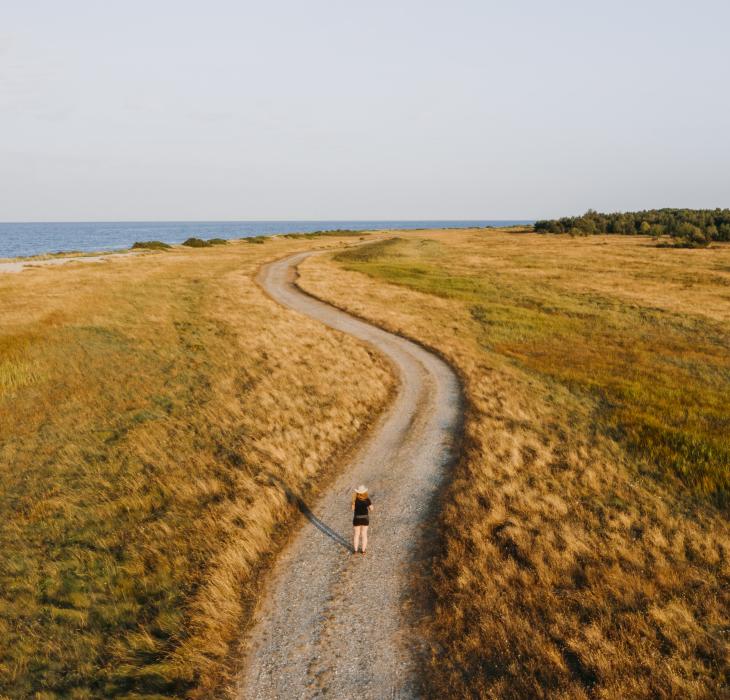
{"x":693,"y":226}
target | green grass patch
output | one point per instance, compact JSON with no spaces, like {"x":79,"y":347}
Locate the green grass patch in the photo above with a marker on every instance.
{"x":336,"y":233}
{"x":99,"y":548}
{"x":660,"y":380}
{"x":370,"y":252}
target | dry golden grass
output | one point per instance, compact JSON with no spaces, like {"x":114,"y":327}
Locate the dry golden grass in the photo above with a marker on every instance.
{"x":157,"y":415}
{"x":577,"y":560}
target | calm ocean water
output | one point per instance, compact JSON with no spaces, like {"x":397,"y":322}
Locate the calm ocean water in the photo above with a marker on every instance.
{"x":22,"y":239}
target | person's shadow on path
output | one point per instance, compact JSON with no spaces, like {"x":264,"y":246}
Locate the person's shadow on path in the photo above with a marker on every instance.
{"x":305,"y":510}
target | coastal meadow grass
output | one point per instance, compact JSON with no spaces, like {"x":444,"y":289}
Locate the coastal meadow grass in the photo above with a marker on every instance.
{"x":157,"y":414}
{"x":583,"y":534}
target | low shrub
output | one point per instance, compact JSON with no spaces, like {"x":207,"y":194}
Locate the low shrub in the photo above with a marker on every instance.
{"x":255,"y":239}
{"x":197,"y":243}
{"x":151,"y":245}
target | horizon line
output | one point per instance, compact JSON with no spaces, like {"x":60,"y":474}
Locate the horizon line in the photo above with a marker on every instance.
{"x":236,"y":221}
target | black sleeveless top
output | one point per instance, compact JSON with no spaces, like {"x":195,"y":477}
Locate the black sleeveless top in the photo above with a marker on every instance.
{"x":361,"y":511}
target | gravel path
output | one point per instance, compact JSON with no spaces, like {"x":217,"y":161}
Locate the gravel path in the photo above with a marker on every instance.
{"x":334,"y":624}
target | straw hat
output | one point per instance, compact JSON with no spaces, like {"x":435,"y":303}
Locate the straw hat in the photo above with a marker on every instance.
{"x":361,"y":489}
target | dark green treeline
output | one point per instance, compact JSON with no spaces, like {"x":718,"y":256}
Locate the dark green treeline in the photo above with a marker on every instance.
{"x":688,"y":227}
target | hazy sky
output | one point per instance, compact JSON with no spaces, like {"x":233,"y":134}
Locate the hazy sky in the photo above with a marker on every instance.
{"x":333,"y":109}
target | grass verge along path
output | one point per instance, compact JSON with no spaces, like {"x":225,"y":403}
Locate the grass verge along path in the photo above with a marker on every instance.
{"x":159,"y":418}
{"x":338,"y":624}
{"x":584,"y":533}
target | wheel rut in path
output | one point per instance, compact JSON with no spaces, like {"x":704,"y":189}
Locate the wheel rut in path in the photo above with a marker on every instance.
{"x":333,"y":624}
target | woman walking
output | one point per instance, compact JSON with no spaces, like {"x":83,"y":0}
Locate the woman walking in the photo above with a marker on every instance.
{"x":361,"y":507}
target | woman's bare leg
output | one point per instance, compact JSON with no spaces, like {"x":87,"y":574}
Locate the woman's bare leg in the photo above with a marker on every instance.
{"x":364,"y":529}
{"x":355,"y":537}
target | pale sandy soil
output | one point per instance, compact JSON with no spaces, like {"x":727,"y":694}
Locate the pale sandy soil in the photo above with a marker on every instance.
{"x":334,"y":624}
{"x":20,"y":265}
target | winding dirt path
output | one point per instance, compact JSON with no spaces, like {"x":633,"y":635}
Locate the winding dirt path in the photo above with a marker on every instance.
{"x":334,"y":624}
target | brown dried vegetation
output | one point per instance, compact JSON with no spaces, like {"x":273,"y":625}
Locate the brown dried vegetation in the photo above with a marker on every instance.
{"x":157,"y":414}
{"x":576,"y":561}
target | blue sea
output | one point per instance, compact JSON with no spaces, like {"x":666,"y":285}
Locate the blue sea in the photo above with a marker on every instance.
{"x":24,"y":239}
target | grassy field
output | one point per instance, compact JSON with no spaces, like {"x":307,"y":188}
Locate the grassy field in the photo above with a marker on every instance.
{"x":158,"y":415}
{"x":584,"y":531}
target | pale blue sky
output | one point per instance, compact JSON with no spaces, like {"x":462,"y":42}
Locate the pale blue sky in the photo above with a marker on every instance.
{"x":334,"y":109}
